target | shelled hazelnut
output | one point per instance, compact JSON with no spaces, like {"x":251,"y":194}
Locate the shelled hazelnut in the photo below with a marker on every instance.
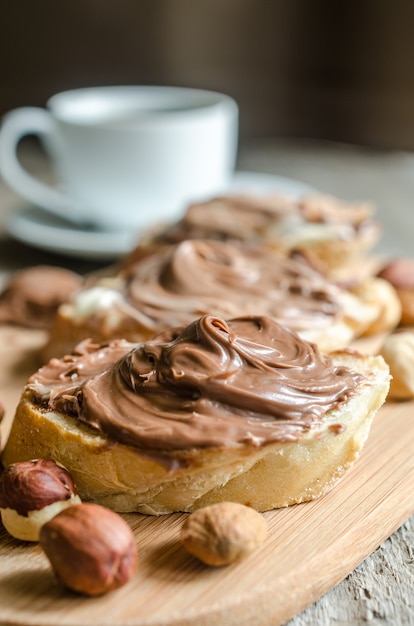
{"x":398,"y":351}
{"x":223,"y":533}
{"x":92,"y":549}
{"x":379,"y":293}
{"x":31,"y":493}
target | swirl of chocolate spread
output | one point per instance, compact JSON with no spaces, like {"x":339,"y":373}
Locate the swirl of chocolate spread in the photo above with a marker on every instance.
{"x":212,"y":383}
{"x":268,"y":218}
{"x":195,"y":277}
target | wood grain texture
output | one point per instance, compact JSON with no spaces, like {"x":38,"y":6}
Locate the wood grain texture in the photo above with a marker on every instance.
{"x":311,"y":547}
{"x":379,"y":592}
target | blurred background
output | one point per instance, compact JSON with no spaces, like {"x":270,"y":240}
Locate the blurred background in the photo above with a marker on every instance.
{"x":340,"y":71}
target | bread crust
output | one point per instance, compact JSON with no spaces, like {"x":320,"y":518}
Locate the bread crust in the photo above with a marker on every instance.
{"x":272,"y":476}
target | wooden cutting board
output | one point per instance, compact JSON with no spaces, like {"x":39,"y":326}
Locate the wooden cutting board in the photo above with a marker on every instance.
{"x":310,"y":548}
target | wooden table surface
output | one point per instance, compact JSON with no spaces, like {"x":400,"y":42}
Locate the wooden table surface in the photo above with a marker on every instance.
{"x":380,"y":590}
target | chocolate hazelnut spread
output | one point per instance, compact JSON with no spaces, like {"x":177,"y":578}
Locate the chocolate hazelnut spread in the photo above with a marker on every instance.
{"x":271,"y":218}
{"x":212,"y":383}
{"x":195,"y":277}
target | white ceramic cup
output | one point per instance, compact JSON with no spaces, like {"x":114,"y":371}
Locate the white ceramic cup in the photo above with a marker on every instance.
{"x":125,"y":157}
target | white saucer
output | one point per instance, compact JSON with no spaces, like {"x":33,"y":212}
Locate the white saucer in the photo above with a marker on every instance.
{"x":40,"y":229}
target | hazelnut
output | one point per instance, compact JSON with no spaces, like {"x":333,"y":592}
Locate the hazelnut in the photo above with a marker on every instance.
{"x":398,"y":352}
{"x":406,"y":297}
{"x":32,"y":295}
{"x":92,"y":549}
{"x":400,"y":273}
{"x":380,"y":293}
{"x":31,"y":493}
{"x":2,"y":411}
{"x":223,"y":533}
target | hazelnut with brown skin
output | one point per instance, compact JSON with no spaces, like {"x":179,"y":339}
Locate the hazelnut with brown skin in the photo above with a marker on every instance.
{"x":92,"y":549}
{"x":31,"y":493}
{"x":400,"y":274}
{"x":223,"y":533}
{"x":32,"y":295}
{"x":2,"y":411}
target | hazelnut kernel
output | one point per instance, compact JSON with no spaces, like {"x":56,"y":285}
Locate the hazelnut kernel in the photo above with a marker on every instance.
{"x":398,"y":352}
{"x":31,"y":493}
{"x":91,"y":549}
{"x":223,"y":533}
{"x":379,"y":293}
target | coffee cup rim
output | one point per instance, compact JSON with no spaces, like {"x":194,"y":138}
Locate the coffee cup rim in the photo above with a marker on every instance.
{"x":163,"y":102}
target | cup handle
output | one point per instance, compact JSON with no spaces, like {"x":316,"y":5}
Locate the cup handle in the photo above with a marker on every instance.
{"x":17,"y":124}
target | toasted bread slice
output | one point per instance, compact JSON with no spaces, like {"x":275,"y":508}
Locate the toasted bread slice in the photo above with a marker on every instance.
{"x":277,"y":474}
